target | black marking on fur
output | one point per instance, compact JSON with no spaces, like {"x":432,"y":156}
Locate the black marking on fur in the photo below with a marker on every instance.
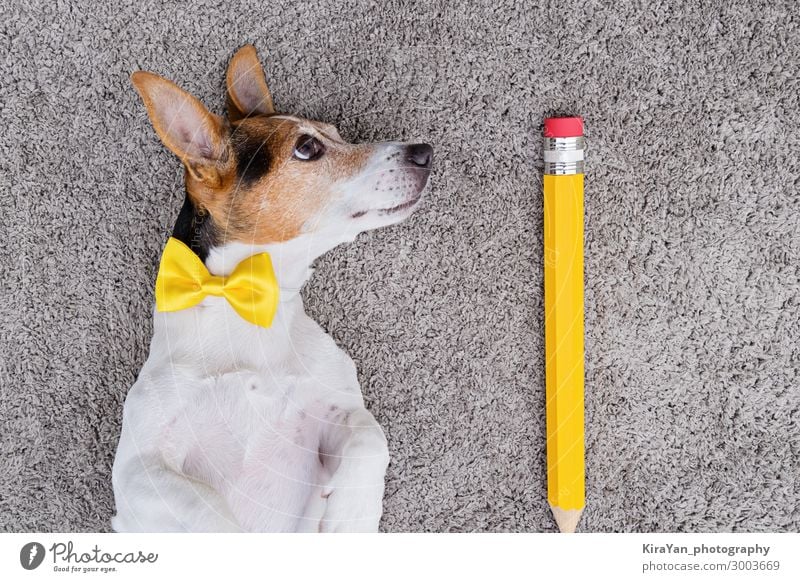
{"x":252,"y":156}
{"x":195,"y":229}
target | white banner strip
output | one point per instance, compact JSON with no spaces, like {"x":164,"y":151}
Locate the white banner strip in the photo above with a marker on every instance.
{"x":351,"y":558}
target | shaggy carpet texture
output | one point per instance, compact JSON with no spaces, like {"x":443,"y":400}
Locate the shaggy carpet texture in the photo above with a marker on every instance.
{"x":692,"y":245}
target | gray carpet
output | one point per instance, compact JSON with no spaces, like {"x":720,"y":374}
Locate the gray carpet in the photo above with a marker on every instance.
{"x":692,"y":246}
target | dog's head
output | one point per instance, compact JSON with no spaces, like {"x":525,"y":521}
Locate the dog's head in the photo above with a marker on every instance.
{"x":266,"y":178}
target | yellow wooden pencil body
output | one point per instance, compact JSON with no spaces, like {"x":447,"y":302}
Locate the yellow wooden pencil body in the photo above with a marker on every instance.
{"x":564,"y":350}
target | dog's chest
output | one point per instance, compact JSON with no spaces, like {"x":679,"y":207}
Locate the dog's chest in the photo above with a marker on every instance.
{"x":233,"y":382}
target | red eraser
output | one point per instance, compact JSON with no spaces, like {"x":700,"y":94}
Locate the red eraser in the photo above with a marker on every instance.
{"x":563,"y":127}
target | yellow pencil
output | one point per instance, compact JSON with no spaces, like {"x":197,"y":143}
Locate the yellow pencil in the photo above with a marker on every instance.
{"x":563,"y":318}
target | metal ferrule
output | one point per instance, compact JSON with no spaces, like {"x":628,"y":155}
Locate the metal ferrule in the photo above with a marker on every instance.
{"x":563,"y":155}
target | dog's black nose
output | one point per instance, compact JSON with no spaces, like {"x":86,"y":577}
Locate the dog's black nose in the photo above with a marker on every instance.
{"x":420,"y":154}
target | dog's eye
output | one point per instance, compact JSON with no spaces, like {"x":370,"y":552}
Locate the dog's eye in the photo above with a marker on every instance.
{"x":308,"y":148}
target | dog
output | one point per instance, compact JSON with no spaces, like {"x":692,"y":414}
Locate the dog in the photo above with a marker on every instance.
{"x":232,"y":426}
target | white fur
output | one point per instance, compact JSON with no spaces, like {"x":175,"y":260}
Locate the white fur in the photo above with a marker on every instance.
{"x":232,"y":427}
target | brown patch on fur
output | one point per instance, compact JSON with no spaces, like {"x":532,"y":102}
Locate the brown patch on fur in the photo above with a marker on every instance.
{"x":277,"y":206}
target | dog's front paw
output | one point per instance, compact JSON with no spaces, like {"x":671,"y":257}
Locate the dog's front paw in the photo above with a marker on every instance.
{"x":352,"y":510}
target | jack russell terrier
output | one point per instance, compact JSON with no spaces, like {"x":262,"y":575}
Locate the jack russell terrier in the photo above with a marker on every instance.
{"x":246,"y":415}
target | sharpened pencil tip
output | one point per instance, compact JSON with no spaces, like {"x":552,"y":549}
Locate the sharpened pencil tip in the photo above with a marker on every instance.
{"x":567,"y":519}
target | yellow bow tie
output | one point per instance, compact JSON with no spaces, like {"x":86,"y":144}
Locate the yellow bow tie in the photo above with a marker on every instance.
{"x":183,"y":281}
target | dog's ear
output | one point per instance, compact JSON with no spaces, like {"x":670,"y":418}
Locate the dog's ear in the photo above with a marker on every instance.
{"x":248,"y":93}
{"x":192,"y":132}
